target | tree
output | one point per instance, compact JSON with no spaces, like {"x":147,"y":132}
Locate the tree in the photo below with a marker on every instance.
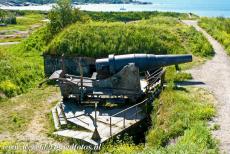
{"x":64,"y":14}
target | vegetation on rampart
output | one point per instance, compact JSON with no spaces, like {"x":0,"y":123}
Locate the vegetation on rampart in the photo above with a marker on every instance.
{"x":158,"y":35}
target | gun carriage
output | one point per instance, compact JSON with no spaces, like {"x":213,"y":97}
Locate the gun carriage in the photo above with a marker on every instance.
{"x":118,"y":77}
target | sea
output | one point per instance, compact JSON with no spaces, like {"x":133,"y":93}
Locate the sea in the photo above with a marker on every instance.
{"x":209,"y":8}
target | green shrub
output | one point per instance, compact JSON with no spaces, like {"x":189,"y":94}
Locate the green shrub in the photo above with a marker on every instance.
{"x":7,"y":17}
{"x":8,"y":88}
{"x":64,"y":14}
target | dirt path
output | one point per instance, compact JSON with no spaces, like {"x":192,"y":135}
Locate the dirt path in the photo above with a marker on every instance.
{"x":216,"y":75}
{"x":35,"y":132}
{"x":8,"y":43}
{"x":40,"y":102}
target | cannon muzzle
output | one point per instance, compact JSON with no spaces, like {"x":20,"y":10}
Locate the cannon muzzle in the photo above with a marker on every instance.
{"x":144,"y":62}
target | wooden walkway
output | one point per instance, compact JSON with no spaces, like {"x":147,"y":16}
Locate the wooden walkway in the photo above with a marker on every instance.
{"x":110,"y":122}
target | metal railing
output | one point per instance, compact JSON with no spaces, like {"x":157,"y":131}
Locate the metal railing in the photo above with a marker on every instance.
{"x":155,"y":81}
{"x":138,"y":109}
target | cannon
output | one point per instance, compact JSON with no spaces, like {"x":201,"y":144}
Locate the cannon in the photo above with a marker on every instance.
{"x":144,"y":62}
{"x":118,"y":77}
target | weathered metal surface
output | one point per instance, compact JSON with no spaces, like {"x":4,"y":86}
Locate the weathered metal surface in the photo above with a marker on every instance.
{"x":110,"y":122}
{"x":127,"y":81}
{"x":144,"y":62}
{"x":70,"y":63}
{"x":115,"y":76}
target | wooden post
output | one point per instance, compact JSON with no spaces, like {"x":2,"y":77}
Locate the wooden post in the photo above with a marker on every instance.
{"x":63,"y":64}
{"x":63,"y":113}
{"x":57,"y":116}
{"x":110,"y":124}
{"x":124,"y":120}
{"x":81,"y":80}
{"x":95,"y":115}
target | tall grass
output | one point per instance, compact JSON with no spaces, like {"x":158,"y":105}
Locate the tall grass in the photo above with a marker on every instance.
{"x":133,"y":16}
{"x":20,"y":71}
{"x":159,"y":35}
{"x":219,"y":28}
{"x":179,"y":124}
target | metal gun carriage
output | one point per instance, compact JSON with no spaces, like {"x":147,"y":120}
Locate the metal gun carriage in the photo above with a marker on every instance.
{"x":118,"y":77}
{"x":132,"y":79}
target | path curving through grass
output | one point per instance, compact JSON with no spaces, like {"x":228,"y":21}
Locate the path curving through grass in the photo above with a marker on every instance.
{"x":216,"y":75}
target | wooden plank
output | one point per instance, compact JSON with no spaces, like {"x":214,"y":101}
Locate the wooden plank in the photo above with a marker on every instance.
{"x":62,"y":120}
{"x":81,"y":135}
{"x":55,"y":119}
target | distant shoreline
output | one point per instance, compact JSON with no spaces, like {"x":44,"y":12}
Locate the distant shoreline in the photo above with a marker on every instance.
{"x":130,"y":7}
{"x":74,"y":3}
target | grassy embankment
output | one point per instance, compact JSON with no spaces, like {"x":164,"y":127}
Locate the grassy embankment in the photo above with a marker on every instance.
{"x":177,"y":114}
{"x":179,"y":124}
{"x":219,"y":28}
{"x":159,"y":35}
{"x":135,"y":16}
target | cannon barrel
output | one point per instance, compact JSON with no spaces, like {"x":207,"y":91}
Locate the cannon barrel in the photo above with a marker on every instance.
{"x":144,"y":62}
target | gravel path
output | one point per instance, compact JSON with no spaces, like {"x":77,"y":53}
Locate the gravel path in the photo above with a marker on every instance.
{"x":8,"y":43}
{"x":216,"y":75}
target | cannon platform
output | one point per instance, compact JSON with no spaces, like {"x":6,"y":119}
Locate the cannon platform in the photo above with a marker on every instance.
{"x":116,"y":97}
{"x":109,"y":121}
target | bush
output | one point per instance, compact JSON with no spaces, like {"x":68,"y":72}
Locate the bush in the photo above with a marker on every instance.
{"x":11,"y":20}
{"x":8,"y":88}
{"x":7,"y":17}
{"x":63,"y":15}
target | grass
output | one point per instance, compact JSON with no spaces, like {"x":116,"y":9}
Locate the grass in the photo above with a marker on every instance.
{"x":162,"y":35}
{"x":219,"y":29}
{"x":20,"y":71}
{"x":28,"y":22}
{"x":16,"y":113}
{"x":179,"y":124}
{"x":134,"y":16}
{"x":158,"y":35}
{"x":12,"y":39}
{"x":25,"y":22}
{"x":180,"y":115}
{"x":176,"y":111}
